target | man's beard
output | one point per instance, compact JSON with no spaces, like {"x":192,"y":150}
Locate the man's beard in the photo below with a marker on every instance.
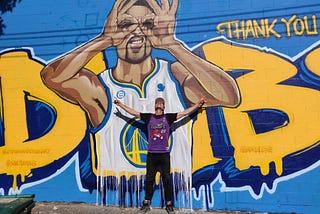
{"x":159,"y":108}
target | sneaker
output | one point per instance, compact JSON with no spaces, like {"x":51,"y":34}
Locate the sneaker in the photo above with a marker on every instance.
{"x":169,"y":209}
{"x":145,"y":207}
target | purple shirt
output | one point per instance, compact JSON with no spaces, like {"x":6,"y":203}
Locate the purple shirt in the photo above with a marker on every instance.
{"x":158,"y":131}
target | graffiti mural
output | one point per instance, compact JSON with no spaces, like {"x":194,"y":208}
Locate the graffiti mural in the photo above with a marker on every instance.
{"x":255,"y":143}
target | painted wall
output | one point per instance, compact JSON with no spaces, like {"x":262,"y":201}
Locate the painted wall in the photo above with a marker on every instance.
{"x":262,"y":155}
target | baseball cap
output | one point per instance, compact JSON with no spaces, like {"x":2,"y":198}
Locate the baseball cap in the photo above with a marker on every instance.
{"x":159,"y":100}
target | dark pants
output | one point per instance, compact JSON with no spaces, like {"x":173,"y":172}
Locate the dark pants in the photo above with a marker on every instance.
{"x":158,"y":162}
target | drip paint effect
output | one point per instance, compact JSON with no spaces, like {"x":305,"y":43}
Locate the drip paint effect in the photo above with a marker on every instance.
{"x":239,"y":155}
{"x":264,"y":121}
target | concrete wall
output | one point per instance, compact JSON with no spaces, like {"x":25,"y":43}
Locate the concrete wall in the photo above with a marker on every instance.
{"x":262,"y":155}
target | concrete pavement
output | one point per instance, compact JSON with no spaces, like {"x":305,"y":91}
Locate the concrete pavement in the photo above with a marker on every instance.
{"x":83,"y":208}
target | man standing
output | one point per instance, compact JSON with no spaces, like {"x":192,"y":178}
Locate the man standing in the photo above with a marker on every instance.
{"x":158,"y":157}
{"x":134,"y":27}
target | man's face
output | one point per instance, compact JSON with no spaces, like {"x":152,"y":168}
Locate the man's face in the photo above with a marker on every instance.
{"x":136,"y":47}
{"x":159,"y":108}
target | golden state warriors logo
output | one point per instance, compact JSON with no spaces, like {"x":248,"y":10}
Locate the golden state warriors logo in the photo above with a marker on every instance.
{"x":134,"y":143}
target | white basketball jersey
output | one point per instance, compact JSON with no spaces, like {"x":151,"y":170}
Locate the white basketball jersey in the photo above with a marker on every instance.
{"x":120,"y":146}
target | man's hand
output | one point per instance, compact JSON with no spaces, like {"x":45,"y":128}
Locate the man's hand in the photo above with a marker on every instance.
{"x":191,"y":109}
{"x":162,"y":33}
{"x":201,"y":102}
{"x":112,"y":29}
{"x":117,"y":102}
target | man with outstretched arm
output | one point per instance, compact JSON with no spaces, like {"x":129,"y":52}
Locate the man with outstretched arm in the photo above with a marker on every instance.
{"x":158,"y":157}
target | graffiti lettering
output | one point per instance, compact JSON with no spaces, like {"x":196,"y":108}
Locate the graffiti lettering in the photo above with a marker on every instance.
{"x":19,"y":74}
{"x":21,"y":163}
{"x":269,"y":70}
{"x":256,"y":149}
{"x":25,"y":151}
{"x":243,"y":29}
{"x":301,"y":26}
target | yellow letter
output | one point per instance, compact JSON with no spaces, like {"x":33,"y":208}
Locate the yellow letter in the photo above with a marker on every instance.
{"x":19,"y":73}
{"x":262,"y":89}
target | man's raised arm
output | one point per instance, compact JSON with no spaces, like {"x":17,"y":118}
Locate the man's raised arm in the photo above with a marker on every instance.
{"x":191,"y":109}
{"x":127,"y":108}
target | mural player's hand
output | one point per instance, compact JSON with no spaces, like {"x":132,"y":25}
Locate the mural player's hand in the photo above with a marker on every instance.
{"x":113,"y":29}
{"x":162,"y":33}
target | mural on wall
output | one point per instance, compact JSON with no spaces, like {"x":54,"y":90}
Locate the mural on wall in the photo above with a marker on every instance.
{"x":260,"y":126}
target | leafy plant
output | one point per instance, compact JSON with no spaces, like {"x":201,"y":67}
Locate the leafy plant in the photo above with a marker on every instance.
{"x":6,"y":6}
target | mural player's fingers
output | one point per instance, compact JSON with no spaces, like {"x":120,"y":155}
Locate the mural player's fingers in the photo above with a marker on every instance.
{"x":155,"y":6}
{"x":116,"y":10}
{"x":165,"y":5}
{"x":123,"y":8}
{"x":174,"y":7}
{"x":111,"y":21}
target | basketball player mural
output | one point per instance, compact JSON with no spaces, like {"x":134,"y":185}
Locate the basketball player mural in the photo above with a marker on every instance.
{"x":134,"y":27}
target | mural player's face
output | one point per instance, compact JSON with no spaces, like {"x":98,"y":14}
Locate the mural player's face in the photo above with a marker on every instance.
{"x":136,"y":47}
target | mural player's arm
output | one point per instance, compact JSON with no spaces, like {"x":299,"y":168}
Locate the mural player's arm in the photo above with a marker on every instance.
{"x":68,"y":77}
{"x":197,"y":77}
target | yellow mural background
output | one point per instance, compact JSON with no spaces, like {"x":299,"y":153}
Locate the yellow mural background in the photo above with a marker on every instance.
{"x":259,"y":89}
{"x":19,"y":73}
